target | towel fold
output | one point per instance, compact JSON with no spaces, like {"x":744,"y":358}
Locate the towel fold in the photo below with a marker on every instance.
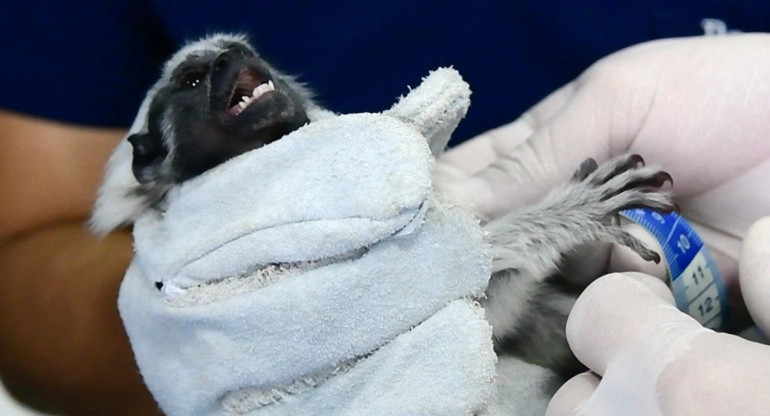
{"x":320,"y":192}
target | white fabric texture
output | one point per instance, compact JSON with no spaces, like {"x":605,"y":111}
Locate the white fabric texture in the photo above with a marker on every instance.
{"x":319,"y":275}
{"x":521,"y":388}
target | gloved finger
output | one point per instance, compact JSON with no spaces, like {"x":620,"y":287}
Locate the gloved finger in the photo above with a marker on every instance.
{"x":655,"y":360}
{"x":626,"y":328}
{"x":622,"y":391}
{"x":627,"y":315}
{"x":717,"y":374}
{"x":572,"y":395}
{"x":455,"y":170}
{"x":479,"y":152}
{"x":754,"y":272}
{"x":475,"y":173}
{"x":586,"y":126}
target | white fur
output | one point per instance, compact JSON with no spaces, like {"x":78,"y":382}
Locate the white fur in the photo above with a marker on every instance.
{"x":507,"y":302}
{"x":116,"y":204}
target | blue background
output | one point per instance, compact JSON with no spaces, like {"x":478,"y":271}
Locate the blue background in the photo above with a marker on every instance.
{"x":89,"y":62}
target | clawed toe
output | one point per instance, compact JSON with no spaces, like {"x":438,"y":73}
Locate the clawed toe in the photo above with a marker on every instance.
{"x":586,"y":168}
{"x":636,"y":245}
{"x":616,"y":167}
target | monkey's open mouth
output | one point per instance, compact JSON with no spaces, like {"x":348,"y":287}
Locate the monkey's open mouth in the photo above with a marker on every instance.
{"x":248,"y":87}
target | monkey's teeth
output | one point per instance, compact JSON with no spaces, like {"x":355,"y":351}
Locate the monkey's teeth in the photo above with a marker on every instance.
{"x":245,"y":101}
{"x":258,"y":92}
{"x":262,"y":88}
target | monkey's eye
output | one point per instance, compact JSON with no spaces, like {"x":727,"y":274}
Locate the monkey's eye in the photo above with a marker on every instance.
{"x":190,"y":80}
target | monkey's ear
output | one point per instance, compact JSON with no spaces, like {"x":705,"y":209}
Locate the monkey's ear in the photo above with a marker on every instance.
{"x":149,"y":152}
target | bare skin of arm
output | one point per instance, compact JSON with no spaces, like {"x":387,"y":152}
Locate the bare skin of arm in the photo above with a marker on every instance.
{"x":62,"y":344}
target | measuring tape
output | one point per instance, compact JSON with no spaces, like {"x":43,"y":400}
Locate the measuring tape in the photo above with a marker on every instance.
{"x":696,"y":282}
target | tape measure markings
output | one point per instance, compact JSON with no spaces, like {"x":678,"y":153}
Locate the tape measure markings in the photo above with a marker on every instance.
{"x":695,"y":280}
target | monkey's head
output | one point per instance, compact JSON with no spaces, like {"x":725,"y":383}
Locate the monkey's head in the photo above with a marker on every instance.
{"x":216,"y":99}
{"x":192,"y":119}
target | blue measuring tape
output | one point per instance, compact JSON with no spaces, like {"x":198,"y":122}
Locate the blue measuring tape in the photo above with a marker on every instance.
{"x":697,"y":285}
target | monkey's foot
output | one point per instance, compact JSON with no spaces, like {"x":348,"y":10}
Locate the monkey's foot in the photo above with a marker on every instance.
{"x":600,"y":192}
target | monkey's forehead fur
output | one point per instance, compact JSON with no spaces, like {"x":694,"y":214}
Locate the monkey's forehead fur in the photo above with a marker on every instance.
{"x":120,"y":199}
{"x":215,"y":43}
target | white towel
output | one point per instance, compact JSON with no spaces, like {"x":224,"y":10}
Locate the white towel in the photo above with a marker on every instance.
{"x":318,"y":275}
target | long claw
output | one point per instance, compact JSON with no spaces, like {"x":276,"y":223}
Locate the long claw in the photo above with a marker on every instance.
{"x":656,"y":258}
{"x":637,"y":159}
{"x":587,"y":167}
{"x":664,"y":177}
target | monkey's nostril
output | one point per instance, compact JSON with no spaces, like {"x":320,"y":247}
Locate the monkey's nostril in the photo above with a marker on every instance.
{"x":222,"y":61}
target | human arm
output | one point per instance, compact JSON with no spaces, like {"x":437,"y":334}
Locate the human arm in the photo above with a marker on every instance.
{"x":63,"y":347}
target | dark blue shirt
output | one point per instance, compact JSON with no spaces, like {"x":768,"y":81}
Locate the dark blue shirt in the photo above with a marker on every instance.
{"x":89,"y":62}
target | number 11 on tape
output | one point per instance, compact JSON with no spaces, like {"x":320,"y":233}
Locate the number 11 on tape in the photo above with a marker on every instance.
{"x":695,"y":280}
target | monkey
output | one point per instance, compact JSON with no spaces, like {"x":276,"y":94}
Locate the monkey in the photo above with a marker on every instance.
{"x":217,"y":99}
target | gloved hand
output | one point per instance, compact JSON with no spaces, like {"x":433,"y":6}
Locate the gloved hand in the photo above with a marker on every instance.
{"x":698,"y":106}
{"x":655,"y":360}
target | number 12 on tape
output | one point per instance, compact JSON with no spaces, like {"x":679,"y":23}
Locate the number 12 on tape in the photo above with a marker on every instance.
{"x":695,"y":280}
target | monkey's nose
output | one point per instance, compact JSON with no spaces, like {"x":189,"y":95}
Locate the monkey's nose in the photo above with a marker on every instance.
{"x":222,"y":61}
{"x":230,"y":56}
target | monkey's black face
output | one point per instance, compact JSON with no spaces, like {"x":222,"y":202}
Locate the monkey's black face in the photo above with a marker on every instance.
{"x":218,"y":105}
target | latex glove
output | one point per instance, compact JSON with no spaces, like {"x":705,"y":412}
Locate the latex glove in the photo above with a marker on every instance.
{"x":698,"y":106}
{"x":650,"y":359}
